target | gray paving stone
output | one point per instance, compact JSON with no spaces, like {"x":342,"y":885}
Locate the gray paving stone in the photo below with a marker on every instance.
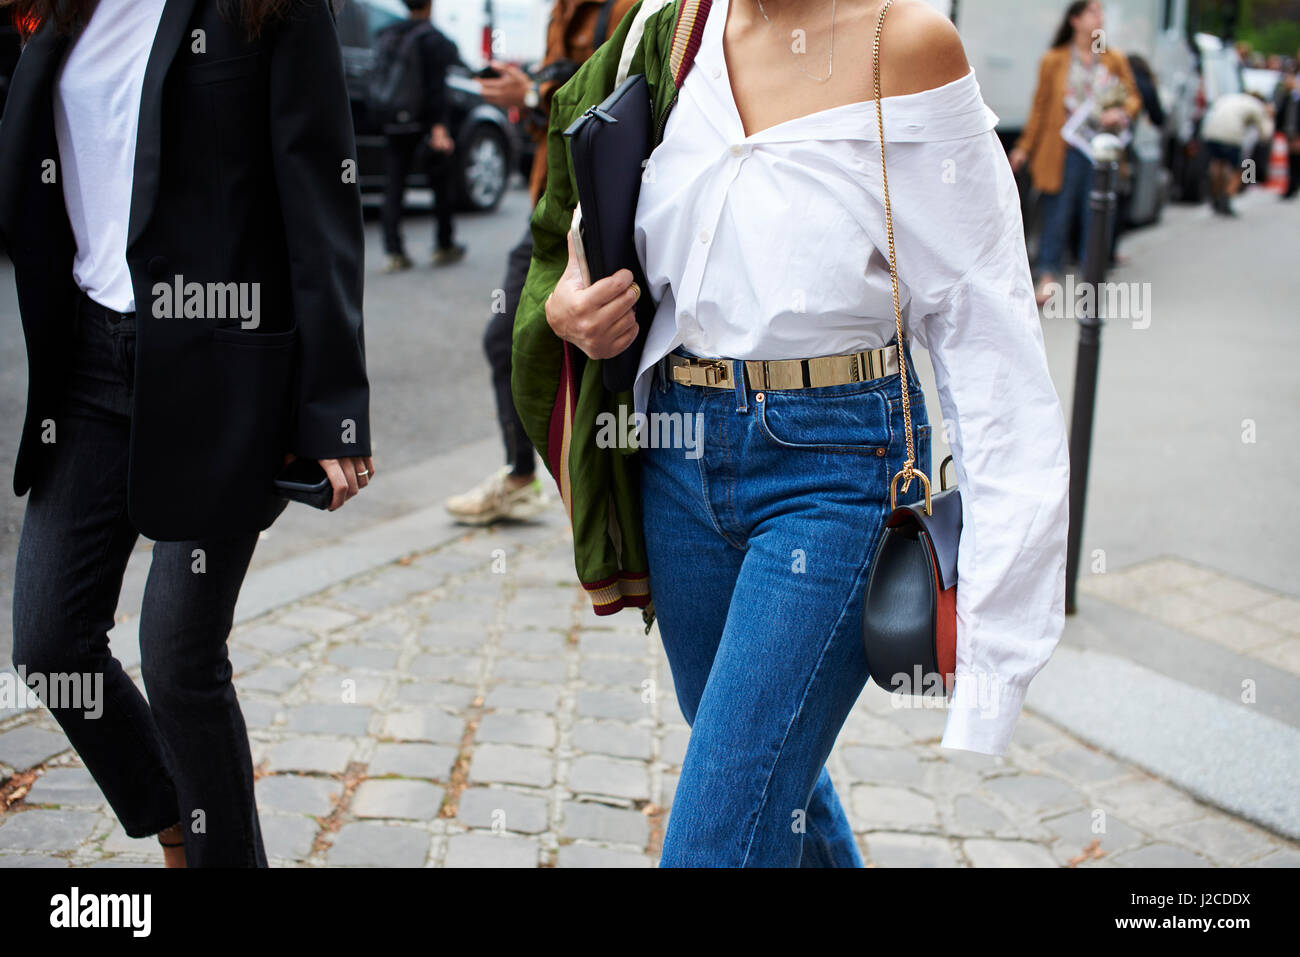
{"x":534,"y":642}
{"x":879,"y":807}
{"x":498,"y":809}
{"x":1149,"y":804}
{"x":288,"y":837}
{"x":311,"y":754}
{"x":397,"y":798}
{"x":242,"y":660}
{"x":272,"y":639}
{"x":297,"y":794}
{"x":897,"y":766}
{"x":672,"y":747}
{"x":444,"y":694}
{"x":594,"y":774}
{"x":66,"y":787}
{"x":615,"y":705}
{"x":1076,"y":833}
{"x":439,"y":635}
{"x":982,"y":852}
{"x":412,"y":760}
{"x":622,"y":673}
{"x":518,"y":727}
{"x":973,"y":817}
{"x":260,"y":712}
{"x":1223,"y":839}
{"x":524,"y":697}
{"x":363,"y":657}
{"x":613,"y":738}
{"x":370,"y":844}
{"x":1037,"y":793}
{"x":426,"y":724}
{"x":515,"y":668}
{"x":349,"y":719}
{"x":317,"y":618}
{"x":40,"y":830}
{"x":1282,"y":858}
{"x":273,"y":679}
{"x":491,"y":850}
{"x":603,"y":641}
{"x":507,"y":764}
{"x":886,"y":849}
{"x":348,"y":688}
{"x":26,"y":746}
{"x":369,"y":597}
{"x":136,"y":848}
{"x":445,"y":667}
{"x":1084,"y":765}
{"x":1160,"y":855}
{"x":597,"y":822}
{"x":585,"y":855}
{"x":667,"y":789}
{"x":30,"y":860}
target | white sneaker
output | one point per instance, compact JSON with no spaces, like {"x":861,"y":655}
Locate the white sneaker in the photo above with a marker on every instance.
{"x":492,"y":501}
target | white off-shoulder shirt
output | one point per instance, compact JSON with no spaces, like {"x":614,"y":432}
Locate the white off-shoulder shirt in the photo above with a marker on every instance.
{"x":773,"y":246}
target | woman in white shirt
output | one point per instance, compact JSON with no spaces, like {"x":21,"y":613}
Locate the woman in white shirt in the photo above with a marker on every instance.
{"x":762,"y":235}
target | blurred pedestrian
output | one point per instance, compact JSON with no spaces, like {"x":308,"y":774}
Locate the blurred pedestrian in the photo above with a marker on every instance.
{"x":409,"y":92}
{"x":576,"y":29}
{"x":1232,"y":120}
{"x":1146,"y":84}
{"x":1286,"y":107}
{"x":1077,"y":74}
{"x":128,"y":178}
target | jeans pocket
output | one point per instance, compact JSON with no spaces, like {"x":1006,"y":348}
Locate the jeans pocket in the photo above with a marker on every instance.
{"x":856,"y":423}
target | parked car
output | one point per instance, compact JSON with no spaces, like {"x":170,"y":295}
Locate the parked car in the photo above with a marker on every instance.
{"x":486,"y":151}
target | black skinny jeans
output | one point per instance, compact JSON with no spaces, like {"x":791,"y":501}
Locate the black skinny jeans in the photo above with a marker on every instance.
{"x":498,"y":340}
{"x":183,"y":755}
{"x":401,"y":152}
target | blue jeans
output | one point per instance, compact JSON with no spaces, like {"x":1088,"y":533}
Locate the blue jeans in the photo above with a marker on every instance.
{"x":758,"y":550}
{"x":185,"y":749}
{"x":1059,"y":210}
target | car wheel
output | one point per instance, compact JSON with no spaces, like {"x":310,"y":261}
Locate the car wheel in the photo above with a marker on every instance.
{"x":484,"y":169}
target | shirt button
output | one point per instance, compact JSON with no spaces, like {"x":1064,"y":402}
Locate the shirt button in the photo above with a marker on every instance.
{"x":737,"y":150}
{"x":717,"y":72}
{"x":704,"y":235}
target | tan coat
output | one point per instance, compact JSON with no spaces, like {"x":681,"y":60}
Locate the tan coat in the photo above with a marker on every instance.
{"x":1041,"y":138}
{"x":570,"y":34}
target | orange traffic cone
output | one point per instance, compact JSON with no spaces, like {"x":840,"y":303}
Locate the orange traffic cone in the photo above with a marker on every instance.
{"x":1277,"y":166}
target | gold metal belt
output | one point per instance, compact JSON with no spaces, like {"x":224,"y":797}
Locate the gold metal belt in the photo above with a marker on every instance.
{"x":784,"y":373}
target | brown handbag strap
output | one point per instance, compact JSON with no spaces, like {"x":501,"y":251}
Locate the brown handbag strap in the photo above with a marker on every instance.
{"x":909,"y":469}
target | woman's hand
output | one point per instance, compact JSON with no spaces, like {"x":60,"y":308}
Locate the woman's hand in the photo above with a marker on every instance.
{"x":598,"y":319}
{"x":440,"y":140}
{"x":1114,"y":118}
{"x":1018,"y":159}
{"x":347,"y":476}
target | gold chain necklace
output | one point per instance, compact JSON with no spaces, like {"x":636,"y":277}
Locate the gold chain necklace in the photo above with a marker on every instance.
{"x":830,"y":57}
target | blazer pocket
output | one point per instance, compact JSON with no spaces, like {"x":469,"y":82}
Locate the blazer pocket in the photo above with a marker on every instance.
{"x":202,"y":72}
{"x":233,"y":335}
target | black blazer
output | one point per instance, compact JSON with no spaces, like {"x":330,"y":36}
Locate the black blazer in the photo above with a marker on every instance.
{"x":244,"y":173}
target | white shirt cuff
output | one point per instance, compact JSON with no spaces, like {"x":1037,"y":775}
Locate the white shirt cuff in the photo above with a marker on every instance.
{"x":982,"y":713}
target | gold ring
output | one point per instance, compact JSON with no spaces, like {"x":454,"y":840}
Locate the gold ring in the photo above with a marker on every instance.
{"x":637,"y":289}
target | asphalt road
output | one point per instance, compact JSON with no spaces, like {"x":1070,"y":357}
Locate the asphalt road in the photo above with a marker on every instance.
{"x":430,"y":391}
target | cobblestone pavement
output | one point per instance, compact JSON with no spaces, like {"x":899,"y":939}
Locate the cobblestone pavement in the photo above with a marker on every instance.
{"x":463,"y":707}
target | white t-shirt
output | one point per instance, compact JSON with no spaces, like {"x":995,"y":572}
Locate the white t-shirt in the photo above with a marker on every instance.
{"x":96,"y":115}
{"x":1233,"y":116}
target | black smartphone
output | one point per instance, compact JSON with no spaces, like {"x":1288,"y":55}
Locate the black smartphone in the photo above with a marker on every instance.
{"x":488,"y":73}
{"x":303,"y":480}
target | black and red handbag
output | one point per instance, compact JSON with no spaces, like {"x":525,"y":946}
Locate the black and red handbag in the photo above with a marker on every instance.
{"x":909,"y":609}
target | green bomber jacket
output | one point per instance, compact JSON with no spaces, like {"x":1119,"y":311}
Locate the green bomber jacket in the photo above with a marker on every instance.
{"x":558,"y":391}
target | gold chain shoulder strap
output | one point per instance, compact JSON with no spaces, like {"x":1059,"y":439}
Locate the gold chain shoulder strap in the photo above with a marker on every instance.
{"x":908,"y":470}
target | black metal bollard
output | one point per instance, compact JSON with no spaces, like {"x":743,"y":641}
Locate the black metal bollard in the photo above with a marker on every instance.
{"x":1102,"y":205}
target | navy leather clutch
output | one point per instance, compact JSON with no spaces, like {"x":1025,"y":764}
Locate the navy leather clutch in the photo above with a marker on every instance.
{"x":609,"y":144}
